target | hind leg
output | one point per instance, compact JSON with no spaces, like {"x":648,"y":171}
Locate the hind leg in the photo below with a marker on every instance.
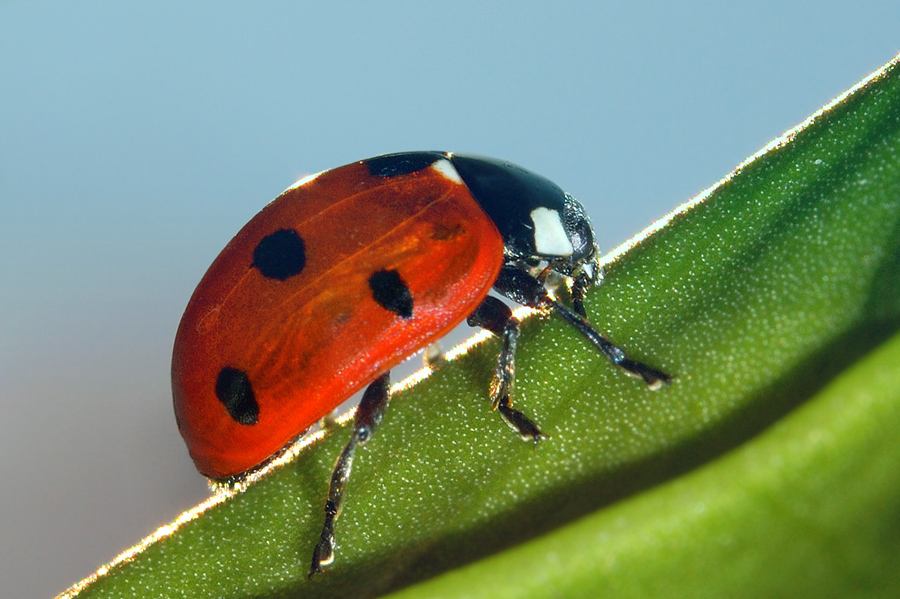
{"x":368,"y":417}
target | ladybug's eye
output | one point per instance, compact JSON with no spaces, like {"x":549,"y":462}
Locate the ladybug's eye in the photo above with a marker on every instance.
{"x":578,"y":228}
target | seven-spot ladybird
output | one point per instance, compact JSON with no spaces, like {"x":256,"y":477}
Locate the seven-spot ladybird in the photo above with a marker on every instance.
{"x":349,"y":272}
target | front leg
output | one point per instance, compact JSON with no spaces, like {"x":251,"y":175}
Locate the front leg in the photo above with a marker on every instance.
{"x":495,"y":316}
{"x":521,"y":287}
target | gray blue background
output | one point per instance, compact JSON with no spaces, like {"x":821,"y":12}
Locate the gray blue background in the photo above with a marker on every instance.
{"x":136,"y":140}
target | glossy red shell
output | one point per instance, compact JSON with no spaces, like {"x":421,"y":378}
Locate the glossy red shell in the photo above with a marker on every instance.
{"x":311,"y":341}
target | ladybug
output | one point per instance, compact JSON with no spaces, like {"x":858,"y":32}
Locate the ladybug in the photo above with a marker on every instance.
{"x":351,"y":271}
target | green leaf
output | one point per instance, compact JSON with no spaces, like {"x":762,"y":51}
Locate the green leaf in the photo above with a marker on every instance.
{"x":768,"y":468}
{"x":808,"y":509}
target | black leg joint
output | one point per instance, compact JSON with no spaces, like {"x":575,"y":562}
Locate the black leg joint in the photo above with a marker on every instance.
{"x":521,"y":287}
{"x":491,"y":314}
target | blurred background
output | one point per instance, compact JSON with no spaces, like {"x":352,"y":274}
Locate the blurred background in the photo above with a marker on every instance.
{"x":135,"y":141}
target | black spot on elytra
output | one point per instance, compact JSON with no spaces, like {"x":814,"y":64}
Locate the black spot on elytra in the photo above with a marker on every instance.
{"x":393,"y":165}
{"x":391,"y":293}
{"x":280,"y":255}
{"x":234,"y":390}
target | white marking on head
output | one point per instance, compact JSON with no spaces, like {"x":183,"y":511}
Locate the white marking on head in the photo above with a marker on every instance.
{"x":445,"y":168}
{"x":550,"y":238}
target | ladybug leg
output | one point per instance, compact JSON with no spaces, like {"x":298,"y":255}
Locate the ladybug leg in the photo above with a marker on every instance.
{"x":579,"y":289}
{"x":368,"y":417}
{"x":433,"y":355}
{"x":521,"y":287}
{"x":495,"y":316}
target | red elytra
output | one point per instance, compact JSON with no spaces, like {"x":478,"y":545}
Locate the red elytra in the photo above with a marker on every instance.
{"x":312,"y":340}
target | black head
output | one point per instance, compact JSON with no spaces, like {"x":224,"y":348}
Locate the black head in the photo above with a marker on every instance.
{"x":536,"y":218}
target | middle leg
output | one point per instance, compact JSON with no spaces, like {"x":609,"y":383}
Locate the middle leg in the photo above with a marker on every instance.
{"x":495,"y":316}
